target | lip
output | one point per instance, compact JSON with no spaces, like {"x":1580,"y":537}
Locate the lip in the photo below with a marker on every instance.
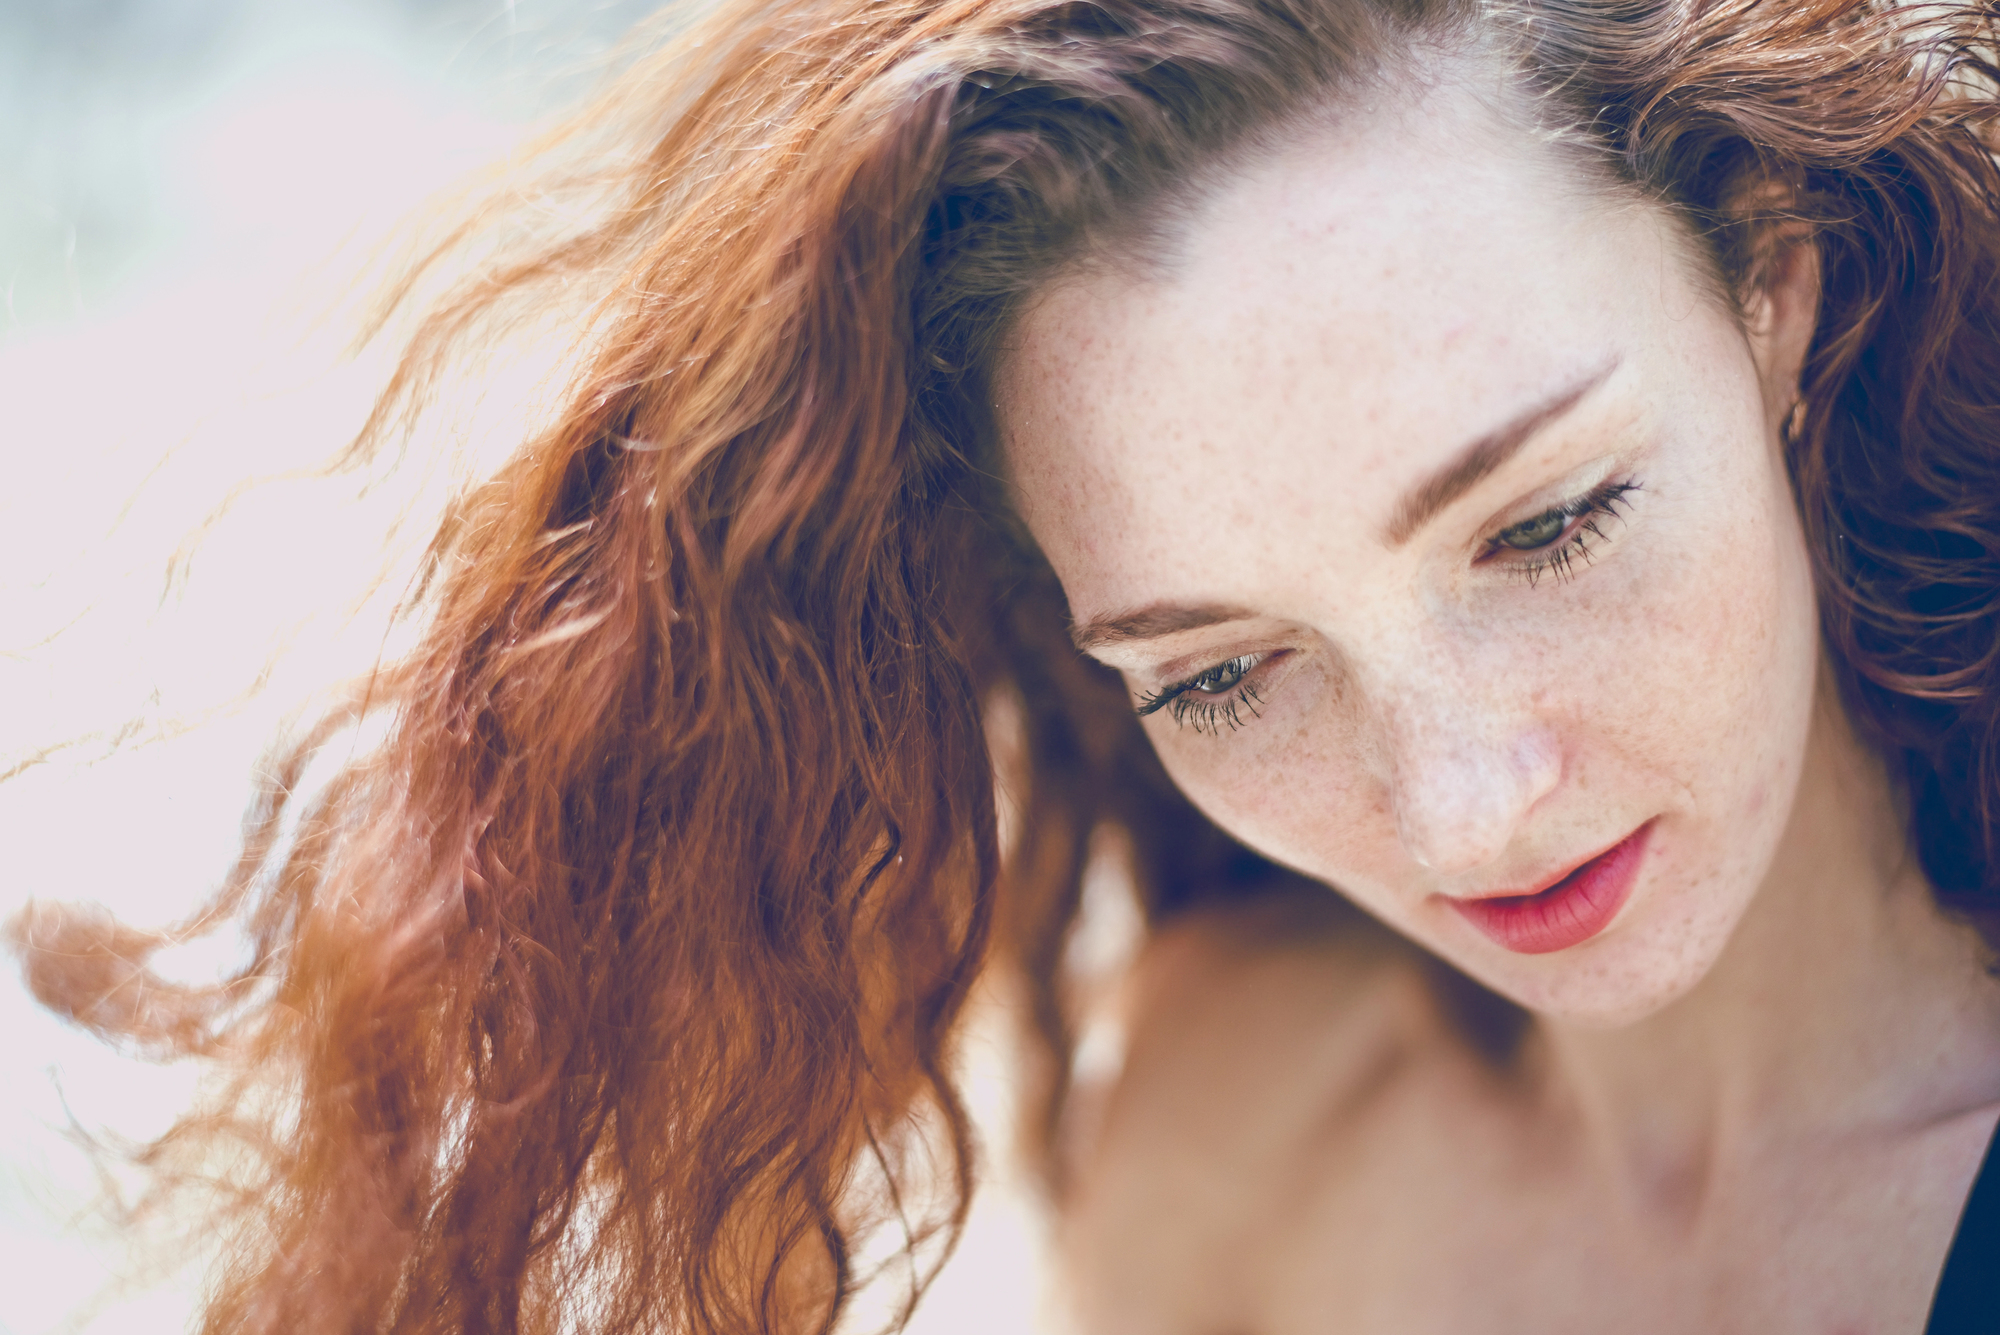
{"x":1577,"y":906}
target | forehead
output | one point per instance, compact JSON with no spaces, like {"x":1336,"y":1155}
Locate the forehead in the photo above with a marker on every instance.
{"x":1337,"y":320}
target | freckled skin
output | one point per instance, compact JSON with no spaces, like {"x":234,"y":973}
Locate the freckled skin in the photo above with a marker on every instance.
{"x":1753,"y":1101}
{"x":1236,"y":435}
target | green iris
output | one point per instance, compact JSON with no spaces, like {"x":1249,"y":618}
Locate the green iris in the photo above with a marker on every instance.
{"x":1537,"y":532}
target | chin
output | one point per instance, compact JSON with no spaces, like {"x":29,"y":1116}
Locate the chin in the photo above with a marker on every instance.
{"x":1628,"y":975}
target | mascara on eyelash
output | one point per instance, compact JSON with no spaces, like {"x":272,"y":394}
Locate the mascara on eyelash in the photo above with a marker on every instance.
{"x":1560,"y":558}
{"x":1209,"y":716}
{"x":1167,"y":696}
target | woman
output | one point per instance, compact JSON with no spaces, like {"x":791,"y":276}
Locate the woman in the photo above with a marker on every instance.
{"x":1527,"y":467}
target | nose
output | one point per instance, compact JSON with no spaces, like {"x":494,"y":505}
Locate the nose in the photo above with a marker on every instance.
{"x":1463,"y":777}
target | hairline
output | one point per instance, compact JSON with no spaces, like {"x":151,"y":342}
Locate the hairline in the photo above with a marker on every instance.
{"x":1146,"y":249}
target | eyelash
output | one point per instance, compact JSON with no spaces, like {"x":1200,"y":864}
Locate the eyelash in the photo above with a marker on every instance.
{"x":1185,"y":700}
{"x":1559,"y":555}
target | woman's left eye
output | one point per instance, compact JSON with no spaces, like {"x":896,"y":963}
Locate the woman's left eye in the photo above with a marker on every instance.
{"x":1552,"y":541}
{"x":1537,"y":532}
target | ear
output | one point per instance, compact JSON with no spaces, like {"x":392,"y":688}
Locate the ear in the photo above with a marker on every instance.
{"x":1780,"y":313}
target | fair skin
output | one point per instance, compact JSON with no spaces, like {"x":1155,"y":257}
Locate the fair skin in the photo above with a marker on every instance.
{"x":1755,"y":1099}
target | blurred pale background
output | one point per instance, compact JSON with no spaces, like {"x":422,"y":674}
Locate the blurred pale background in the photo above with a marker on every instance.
{"x":182,"y":183}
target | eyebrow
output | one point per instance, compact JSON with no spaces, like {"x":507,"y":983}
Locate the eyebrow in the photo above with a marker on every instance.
{"x":1150,"y":623}
{"x":1476,"y":461}
{"x":1424,"y":501}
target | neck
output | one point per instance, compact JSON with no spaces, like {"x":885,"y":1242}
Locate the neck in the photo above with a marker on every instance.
{"x":1845,"y":1003}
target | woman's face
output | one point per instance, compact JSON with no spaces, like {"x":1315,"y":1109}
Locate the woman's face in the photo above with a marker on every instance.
{"x":1429,"y":502}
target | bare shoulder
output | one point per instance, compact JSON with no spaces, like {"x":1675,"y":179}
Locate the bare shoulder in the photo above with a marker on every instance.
{"x":1254,"y":1032}
{"x":1306,"y":994}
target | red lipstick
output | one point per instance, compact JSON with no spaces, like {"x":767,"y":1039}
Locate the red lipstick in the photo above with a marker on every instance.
{"x":1577,"y":906}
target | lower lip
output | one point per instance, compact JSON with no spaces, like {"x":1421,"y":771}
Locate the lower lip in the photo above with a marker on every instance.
{"x":1568,"y":913}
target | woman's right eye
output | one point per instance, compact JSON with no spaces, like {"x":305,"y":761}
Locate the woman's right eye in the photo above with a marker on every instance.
{"x":1223,"y":677}
{"x":1212,"y":697}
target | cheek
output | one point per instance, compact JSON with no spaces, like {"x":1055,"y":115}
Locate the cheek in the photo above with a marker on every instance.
{"x":1296,"y":784}
{"x":1727,"y":647}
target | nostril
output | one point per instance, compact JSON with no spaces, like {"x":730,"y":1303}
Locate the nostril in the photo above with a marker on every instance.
{"x":1453,"y":852}
{"x":1450,"y":833}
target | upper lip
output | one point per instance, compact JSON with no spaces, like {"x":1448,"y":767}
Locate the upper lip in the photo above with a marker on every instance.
{"x":1553,"y":879}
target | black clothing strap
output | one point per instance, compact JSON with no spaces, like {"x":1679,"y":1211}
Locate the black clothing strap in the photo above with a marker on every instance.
{"x":1967,"y":1301}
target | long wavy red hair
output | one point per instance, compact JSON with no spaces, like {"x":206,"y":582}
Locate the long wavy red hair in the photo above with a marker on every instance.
{"x":616,"y":990}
